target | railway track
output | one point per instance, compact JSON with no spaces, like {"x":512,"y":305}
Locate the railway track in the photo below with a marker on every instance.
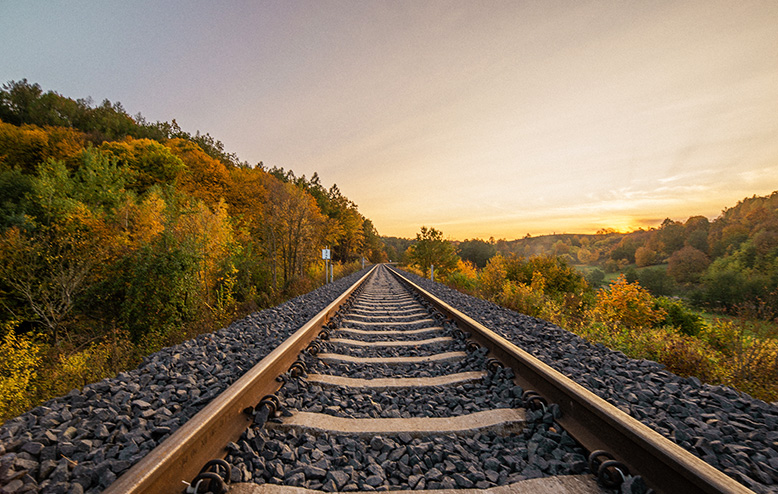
{"x":390,"y":388}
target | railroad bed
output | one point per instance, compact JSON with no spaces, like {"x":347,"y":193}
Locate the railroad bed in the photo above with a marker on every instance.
{"x":392,"y":399}
{"x":344,"y":421}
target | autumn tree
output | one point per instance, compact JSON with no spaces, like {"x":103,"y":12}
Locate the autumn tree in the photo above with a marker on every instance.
{"x":644,"y":256}
{"x":149,"y":163}
{"x":687,"y":264}
{"x":431,"y":249}
{"x":373,"y":245}
{"x":294,"y":229}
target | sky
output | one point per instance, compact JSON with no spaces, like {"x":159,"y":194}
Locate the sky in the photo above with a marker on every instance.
{"x":479,"y":118}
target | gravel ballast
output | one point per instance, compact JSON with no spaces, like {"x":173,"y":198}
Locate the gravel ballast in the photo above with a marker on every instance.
{"x":83,"y":441}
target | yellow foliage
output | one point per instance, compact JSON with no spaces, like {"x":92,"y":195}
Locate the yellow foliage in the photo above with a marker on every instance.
{"x":493,"y":276}
{"x":141,"y":222}
{"x":81,"y":368}
{"x":751,"y":356}
{"x":464,"y":277}
{"x":628,"y":305}
{"x":467,"y":268}
{"x":18,"y":370}
{"x":210,"y":232}
{"x":206,"y":178}
{"x":28,"y":145}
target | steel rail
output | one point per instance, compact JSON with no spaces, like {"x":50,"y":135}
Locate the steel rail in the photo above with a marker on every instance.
{"x":205,"y":436}
{"x":595,"y":423}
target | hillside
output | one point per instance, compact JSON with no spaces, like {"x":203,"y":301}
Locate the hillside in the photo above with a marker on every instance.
{"x":119,"y":236}
{"x":729,"y":263}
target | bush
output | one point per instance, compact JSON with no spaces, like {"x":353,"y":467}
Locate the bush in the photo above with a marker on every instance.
{"x":679,"y":316}
{"x":628,"y":305}
{"x":595,"y":277}
{"x":160,"y":294}
{"x":18,"y":371}
{"x":464,"y":278}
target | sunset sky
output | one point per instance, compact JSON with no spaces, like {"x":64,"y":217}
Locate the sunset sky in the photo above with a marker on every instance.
{"x":479,"y":118}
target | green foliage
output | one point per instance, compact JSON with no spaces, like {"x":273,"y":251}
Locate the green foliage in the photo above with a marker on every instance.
{"x":476,"y":251}
{"x":595,"y":277}
{"x":431,"y":250}
{"x":679,"y":316}
{"x":160,"y":294}
{"x":15,"y":187}
{"x":655,"y":280}
{"x":395,"y":247}
{"x":558,"y":276}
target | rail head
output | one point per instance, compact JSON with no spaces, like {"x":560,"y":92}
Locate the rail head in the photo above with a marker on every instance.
{"x":594,"y":422}
{"x":205,"y":436}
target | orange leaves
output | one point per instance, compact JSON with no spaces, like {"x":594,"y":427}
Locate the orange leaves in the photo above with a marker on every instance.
{"x":29,"y":145}
{"x":139,"y":222}
{"x":206,"y":178}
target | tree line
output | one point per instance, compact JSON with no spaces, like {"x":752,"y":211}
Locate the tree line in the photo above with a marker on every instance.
{"x":119,"y":236}
{"x":724,"y":265}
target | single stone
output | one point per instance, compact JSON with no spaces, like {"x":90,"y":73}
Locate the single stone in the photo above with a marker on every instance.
{"x":374,"y":480}
{"x":313,"y":472}
{"x":340,"y":478}
{"x":462,"y":481}
{"x":33,"y":447}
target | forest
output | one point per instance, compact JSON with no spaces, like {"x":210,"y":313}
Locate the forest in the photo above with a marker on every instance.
{"x":119,"y":236}
{"x":699,"y":296}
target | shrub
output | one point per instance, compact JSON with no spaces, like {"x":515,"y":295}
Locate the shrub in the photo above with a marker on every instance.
{"x":595,"y":277}
{"x":18,"y":371}
{"x":628,"y":305}
{"x":679,"y":316}
{"x":493,"y":277}
{"x":464,"y":278}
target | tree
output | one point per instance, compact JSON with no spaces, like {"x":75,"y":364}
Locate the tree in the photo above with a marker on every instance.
{"x":687,"y":265}
{"x":294,"y":229}
{"x":149,"y":163}
{"x":644,"y":256}
{"x":671,"y":236}
{"x":373,"y":246}
{"x":49,"y":270}
{"x":476,"y":251}
{"x":431,"y":250}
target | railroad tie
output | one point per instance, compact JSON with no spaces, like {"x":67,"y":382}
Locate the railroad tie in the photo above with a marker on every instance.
{"x":396,"y":382}
{"x":438,"y":357}
{"x":387,"y":343}
{"x":388,"y":323}
{"x":501,"y":420}
{"x":567,"y":484}
{"x":390,"y":332}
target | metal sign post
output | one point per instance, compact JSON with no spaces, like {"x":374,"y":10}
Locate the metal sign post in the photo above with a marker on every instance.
{"x":325,"y":254}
